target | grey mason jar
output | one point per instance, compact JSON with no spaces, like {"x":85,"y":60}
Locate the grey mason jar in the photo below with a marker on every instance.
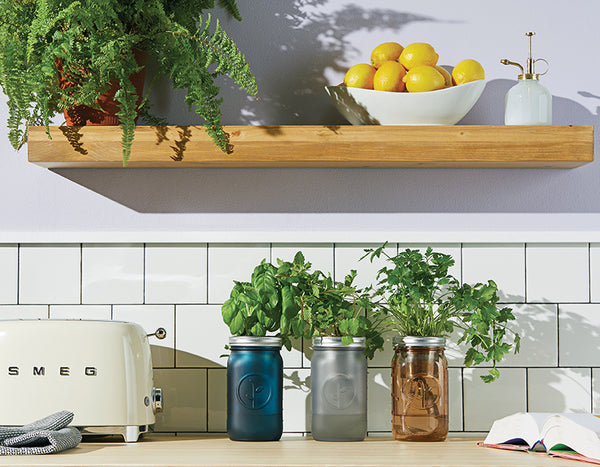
{"x":339,"y":389}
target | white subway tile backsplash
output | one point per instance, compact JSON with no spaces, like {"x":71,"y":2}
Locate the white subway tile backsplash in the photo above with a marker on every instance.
{"x":486,"y":402}
{"x":229,"y":262}
{"x":201,"y":336}
{"x":112,"y":273}
{"x":557,"y":272}
{"x":455,"y":399}
{"x":23,"y":311}
{"x":9,"y":268}
{"x":95,"y":312}
{"x":537,"y":326}
{"x":384,"y":357}
{"x":320,"y":255}
{"x":217,"y":400}
{"x":292,"y":358}
{"x":185,"y":396}
{"x":579,"y":335}
{"x":347,"y":256}
{"x":152,"y":317}
{"x":595,"y":271}
{"x":503,"y":263}
{"x":559,"y":389}
{"x":596,"y":390}
{"x":176,"y":273}
{"x":181,"y":287}
{"x":49,"y":274}
{"x":379,"y":399}
{"x":455,"y":353}
{"x":296,"y":400}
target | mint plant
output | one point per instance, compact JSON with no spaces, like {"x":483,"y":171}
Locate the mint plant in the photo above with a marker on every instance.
{"x":418,"y":297}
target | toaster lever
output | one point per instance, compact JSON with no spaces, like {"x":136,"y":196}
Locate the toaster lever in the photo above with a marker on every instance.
{"x":157,"y":400}
{"x":160,"y":333}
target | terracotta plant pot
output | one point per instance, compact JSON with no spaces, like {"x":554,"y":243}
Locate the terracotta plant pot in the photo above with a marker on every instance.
{"x":82,"y":115}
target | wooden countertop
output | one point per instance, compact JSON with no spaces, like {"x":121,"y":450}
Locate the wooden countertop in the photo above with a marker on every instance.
{"x":191,"y":451}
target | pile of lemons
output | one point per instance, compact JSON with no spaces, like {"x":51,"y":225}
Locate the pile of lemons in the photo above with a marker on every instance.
{"x":412,"y":68}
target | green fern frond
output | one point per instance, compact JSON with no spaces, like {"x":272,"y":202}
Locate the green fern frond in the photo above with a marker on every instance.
{"x":56,"y":54}
{"x":231,"y":8}
{"x":218,"y":48}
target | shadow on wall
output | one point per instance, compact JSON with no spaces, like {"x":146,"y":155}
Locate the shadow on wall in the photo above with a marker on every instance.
{"x":567,"y":388}
{"x":307,"y":48}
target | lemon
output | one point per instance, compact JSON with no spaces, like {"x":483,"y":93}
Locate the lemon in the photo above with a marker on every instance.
{"x":389,"y":77}
{"x":466,"y":71}
{"x":384,"y":52}
{"x":423,"y":78}
{"x":360,"y":76}
{"x":417,"y":54}
{"x":446,"y":74}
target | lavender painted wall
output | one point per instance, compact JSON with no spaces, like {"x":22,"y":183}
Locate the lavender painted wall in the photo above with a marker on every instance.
{"x":296,"y":47}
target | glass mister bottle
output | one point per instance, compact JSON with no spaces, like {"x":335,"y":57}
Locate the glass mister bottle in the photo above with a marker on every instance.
{"x":528,"y":103}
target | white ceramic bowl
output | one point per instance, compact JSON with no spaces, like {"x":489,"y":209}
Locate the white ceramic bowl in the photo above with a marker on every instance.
{"x":441,"y":107}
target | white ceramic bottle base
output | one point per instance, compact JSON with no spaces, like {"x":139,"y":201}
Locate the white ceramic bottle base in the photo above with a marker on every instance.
{"x":528,"y":103}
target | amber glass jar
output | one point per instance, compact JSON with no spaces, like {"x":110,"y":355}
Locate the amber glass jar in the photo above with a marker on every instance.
{"x":419,"y":389}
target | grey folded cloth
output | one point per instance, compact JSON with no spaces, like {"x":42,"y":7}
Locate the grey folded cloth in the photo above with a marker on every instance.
{"x":45,"y":436}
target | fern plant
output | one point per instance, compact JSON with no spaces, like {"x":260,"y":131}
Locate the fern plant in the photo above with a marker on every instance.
{"x":93,"y":44}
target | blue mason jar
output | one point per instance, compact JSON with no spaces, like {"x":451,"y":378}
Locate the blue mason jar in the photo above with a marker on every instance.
{"x":254,"y":389}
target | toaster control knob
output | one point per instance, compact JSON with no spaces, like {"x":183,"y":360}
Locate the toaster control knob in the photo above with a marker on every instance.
{"x":160,"y":333}
{"x":157,"y":401}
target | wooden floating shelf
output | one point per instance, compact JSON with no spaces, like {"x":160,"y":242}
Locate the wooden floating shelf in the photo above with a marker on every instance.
{"x":457,"y":146}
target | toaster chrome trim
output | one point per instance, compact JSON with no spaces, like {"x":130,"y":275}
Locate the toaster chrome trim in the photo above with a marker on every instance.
{"x":157,"y":400}
{"x":130,"y":433}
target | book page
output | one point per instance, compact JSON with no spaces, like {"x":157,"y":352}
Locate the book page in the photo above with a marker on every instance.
{"x":580,"y":432}
{"x":525,"y":427}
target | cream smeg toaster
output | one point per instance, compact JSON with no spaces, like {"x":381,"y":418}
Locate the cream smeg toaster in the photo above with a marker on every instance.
{"x":99,"y":370}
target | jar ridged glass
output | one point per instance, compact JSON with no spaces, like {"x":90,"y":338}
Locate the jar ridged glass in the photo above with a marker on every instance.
{"x":419,"y":389}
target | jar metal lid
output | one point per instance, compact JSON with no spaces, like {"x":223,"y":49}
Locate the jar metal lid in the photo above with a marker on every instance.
{"x":336,"y":342}
{"x":414,"y":341}
{"x":255,"y":341}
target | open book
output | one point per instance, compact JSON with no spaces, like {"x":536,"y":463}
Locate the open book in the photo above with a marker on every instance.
{"x":570,"y":435}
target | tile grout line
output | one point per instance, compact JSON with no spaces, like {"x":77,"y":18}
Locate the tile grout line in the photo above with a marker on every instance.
{"x":591,"y":390}
{"x":525,"y":272}
{"x":333,"y":253}
{"x":589,"y":252}
{"x":18,"y":273}
{"x":144,"y":273}
{"x":558,"y":335}
{"x":207,"y":270}
{"x":175,"y":336}
{"x":462,"y":395}
{"x":81,"y":274}
{"x":526,"y":389}
{"x":462,"y":281}
{"x":207,"y":398}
